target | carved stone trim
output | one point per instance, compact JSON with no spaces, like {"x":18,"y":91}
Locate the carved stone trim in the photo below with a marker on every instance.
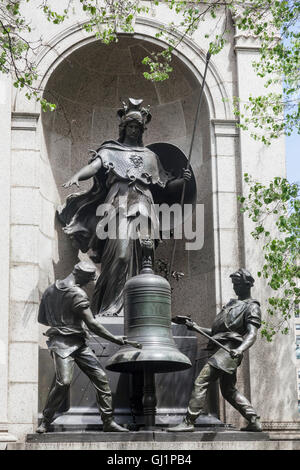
{"x":7,"y":437}
{"x":281,"y":426}
{"x":225,"y":127}
{"x":24,"y":121}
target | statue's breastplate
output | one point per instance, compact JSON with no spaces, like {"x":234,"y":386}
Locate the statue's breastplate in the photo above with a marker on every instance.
{"x":133,"y":165}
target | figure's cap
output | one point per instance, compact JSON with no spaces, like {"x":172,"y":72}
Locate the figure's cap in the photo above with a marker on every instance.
{"x":133,"y":111}
{"x":242,"y":276}
{"x":86,"y":268}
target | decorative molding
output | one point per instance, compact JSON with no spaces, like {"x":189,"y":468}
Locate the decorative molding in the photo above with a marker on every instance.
{"x":7,"y":437}
{"x":24,"y":121}
{"x":242,"y":48}
{"x":281,"y":426}
{"x":244,"y":42}
{"x":225,"y":127}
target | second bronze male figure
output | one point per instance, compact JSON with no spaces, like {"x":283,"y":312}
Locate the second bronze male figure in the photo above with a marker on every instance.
{"x":235,"y":328}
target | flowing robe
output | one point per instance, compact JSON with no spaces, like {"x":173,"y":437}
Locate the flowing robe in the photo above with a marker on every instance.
{"x":124,"y":183}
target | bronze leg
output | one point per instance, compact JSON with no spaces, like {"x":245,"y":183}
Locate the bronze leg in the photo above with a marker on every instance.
{"x":234,"y":397}
{"x":89,"y":364}
{"x":64,"y":369}
{"x":197,"y":401}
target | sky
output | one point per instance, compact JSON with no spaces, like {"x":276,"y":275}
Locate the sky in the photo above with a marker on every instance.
{"x":292,"y":145}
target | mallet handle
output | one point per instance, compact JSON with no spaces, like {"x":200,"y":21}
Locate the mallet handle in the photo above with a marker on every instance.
{"x":134,"y":344}
{"x":197,"y":328}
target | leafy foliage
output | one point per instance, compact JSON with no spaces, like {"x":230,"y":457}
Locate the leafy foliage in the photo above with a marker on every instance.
{"x":17,"y":52}
{"x":276,"y":25}
{"x":279,"y":202}
{"x":263,"y":19}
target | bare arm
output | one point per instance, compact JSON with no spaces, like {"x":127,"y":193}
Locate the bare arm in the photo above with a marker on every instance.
{"x":94,"y":326}
{"x":85,"y":173}
{"x":249,"y":340}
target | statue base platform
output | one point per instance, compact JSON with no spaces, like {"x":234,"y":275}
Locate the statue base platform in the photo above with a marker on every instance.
{"x":159,"y":440}
{"x":85,"y":420}
{"x":159,"y":436}
{"x":173,"y":389}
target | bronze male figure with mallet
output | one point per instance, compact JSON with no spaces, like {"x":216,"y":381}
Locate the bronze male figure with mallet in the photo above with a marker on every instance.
{"x":64,"y":308}
{"x":233,"y":332}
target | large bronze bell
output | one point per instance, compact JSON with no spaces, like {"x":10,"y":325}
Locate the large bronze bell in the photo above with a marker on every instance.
{"x":147,"y":320}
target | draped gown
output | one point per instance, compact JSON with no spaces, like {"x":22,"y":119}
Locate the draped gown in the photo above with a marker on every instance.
{"x":124,"y":183}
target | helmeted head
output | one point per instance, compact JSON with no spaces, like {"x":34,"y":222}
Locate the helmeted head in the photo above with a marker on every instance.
{"x":84,"y":273}
{"x":135,"y":115}
{"x":242,"y":281}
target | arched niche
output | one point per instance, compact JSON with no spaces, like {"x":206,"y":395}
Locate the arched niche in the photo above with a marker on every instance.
{"x":88,"y":87}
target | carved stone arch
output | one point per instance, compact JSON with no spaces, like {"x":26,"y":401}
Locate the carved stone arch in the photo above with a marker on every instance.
{"x":191,"y":54}
{"x":217,"y":110}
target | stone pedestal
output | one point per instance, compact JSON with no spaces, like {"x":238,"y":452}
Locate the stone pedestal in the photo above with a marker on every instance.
{"x":173,"y":389}
{"x":206,"y":439}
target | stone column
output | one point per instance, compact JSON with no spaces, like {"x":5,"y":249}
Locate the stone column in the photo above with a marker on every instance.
{"x":5,"y":171}
{"x":24,"y":229}
{"x":224,"y":163}
{"x":227,"y":232}
{"x":272,"y":366}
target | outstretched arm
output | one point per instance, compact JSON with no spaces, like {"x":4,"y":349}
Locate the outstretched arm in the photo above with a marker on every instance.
{"x":85,"y":173}
{"x":249,"y":340}
{"x":93,"y":325}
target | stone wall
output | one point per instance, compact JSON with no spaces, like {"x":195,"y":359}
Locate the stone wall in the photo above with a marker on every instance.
{"x":88,"y":80}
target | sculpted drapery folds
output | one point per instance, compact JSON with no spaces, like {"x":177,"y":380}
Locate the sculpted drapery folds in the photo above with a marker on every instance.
{"x":128,"y":179}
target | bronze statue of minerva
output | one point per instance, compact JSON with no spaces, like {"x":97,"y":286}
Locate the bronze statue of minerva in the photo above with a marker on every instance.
{"x":65,"y":309}
{"x":131,"y":179}
{"x":233,"y":332}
